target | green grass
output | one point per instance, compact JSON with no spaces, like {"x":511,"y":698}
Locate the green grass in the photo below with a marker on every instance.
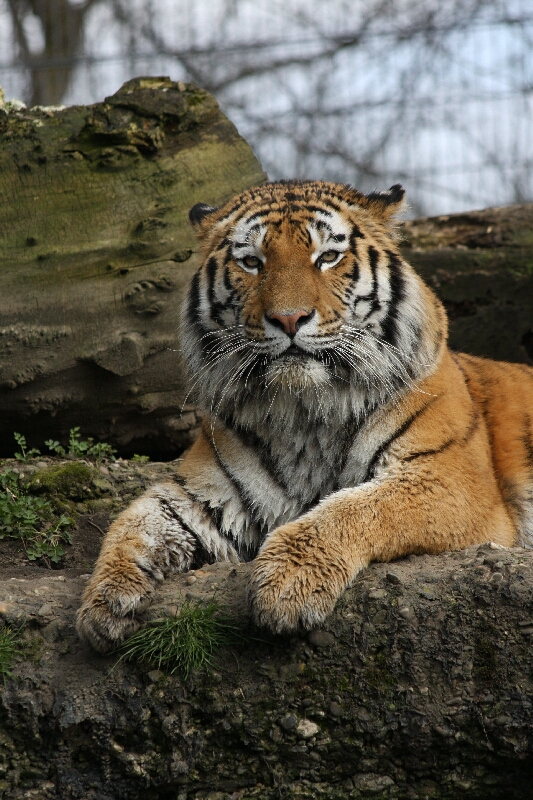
{"x":32,"y":520}
{"x":10,"y":647}
{"x":185,"y":643}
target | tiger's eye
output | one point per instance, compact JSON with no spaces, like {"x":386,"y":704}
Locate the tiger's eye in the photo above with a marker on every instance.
{"x":252,"y":262}
{"x":329,"y":256}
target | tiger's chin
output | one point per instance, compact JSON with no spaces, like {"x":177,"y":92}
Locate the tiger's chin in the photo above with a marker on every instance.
{"x":296,"y":374}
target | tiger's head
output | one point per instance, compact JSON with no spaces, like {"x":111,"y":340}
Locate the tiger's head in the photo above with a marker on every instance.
{"x":302,"y":287}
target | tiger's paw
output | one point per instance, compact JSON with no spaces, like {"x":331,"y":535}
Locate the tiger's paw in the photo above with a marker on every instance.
{"x":295,"y":581}
{"x":112,"y":608}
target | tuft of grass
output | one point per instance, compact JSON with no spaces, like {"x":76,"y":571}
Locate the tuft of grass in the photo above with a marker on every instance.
{"x":184,"y":643}
{"x":10,"y":647}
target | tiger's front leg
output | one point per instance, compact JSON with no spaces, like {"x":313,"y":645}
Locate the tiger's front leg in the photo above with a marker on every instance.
{"x":161,"y":532}
{"x":304,"y":566}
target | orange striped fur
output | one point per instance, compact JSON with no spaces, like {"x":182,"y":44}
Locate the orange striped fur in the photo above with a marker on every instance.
{"x":338,"y":428}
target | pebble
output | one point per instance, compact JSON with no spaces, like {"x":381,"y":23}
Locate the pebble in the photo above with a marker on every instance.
{"x":393,"y":578}
{"x":288,"y":722}
{"x":377,"y":594}
{"x":275,"y":734}
{"x":306,"y":729}
{"x":371,"y":783}
{"x":190,"y":580}
{"x":335,"y":709}
{"x":45,"y":610}
{"x":320,"y":638}
{"x":155,"y":675}
{"x":6,"y":610}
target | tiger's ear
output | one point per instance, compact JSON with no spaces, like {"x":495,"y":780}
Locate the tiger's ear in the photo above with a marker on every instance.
{"x":199,"y":214}
{"x":386,"y":204}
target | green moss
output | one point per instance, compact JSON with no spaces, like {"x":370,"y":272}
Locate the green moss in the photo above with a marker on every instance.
{"x":378,"y":675}
{"x":10,"y":648}
{"x":76,"y":482}
{"x":32,"y":649}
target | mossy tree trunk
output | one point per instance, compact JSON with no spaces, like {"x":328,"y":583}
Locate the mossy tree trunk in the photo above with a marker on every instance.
{"x":95,"y":254}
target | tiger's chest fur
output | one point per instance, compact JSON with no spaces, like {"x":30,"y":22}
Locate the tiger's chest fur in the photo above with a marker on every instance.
{"x":308,"y":338}
{"x":306,"y":454}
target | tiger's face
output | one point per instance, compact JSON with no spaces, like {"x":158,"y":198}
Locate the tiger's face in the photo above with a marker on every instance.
{"x":302,"y":286}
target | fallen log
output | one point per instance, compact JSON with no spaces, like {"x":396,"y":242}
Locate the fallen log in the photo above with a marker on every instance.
{"x":96,"y":251}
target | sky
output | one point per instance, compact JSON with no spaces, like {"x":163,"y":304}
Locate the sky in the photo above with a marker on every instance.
{"x":352,"y":95}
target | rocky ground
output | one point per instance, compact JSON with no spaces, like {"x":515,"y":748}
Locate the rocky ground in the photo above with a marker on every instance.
{"x":419,"y":686}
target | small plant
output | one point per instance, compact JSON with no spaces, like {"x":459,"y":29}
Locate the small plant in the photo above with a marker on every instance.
{"x":137,"y":459}
{"x":32,"y":520}
{"x":10,"y":648}
{"x":49,"y":544}
{"x":82,"y":447}
{"x":55,"y":447}
{"x":24,"y":454}
{"x":183,"y":643}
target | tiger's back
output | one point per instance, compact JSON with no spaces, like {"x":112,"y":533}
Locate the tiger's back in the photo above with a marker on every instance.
{"x":503,"y":392}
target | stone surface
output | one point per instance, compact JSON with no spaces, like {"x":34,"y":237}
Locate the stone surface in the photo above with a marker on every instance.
{"x":480,"y":263}
{"x":407,"y":693}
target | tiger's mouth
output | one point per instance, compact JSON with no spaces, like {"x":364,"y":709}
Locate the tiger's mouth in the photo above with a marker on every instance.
{"x":295,"y":353}
{"x":294,"y":350}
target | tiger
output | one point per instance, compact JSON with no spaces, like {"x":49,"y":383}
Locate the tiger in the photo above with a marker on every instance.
{"x":337,"y":427}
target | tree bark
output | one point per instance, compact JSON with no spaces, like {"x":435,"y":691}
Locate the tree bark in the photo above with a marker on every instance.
{"x":418,"y":686}
{"x":96,"y":252}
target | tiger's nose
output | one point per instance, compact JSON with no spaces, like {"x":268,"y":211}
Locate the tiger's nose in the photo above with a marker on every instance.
{"x":291,"y":322}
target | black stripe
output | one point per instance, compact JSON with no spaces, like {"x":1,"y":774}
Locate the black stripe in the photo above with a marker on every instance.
{"x":193,"y":300}
{"x":373,"y":257}
{"x":260,"y":447}
{"x":201,"y":554}
{"x":470,"y":431}
{"x":317,"y":209}
{"x":397,"y":433}
{"x":256,"y":215}
{"x":205,"y":341}
{"x":216,"y":306}
{"x":397,"y":286}
{"x":435,"y":451}
{"x":240,"y":489}
{"x":227,"y":283}
{"x":211,"y":270}
{"x":527,"y":440}
{"x":355,"y":234}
